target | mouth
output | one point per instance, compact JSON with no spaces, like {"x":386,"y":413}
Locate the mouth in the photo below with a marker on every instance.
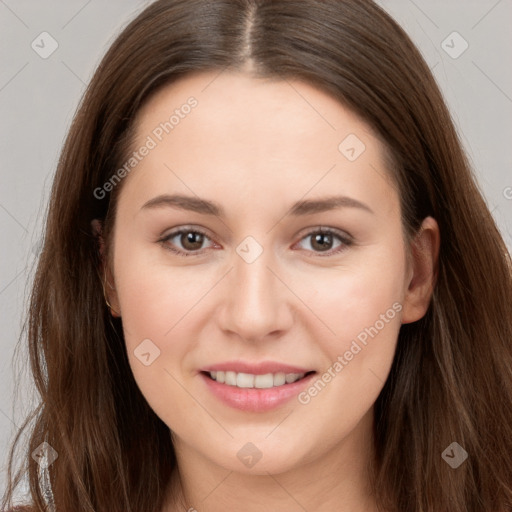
{"x":252,"y":381}
{"x":255,"y":392}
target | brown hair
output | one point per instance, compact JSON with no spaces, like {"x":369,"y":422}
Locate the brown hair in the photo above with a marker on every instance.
{"x":451,"y":378}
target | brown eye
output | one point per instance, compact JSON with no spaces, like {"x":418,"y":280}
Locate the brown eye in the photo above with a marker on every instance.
{"x":185,"y":242}
{"x":326,"y":241}
{"x":191,"y":240}
{"x":321,"y":241}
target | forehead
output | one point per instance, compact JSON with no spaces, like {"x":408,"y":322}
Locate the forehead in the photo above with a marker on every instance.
{"x":254,"y":139}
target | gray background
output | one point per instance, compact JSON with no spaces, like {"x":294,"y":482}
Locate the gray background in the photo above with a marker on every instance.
{"x":38,"y":98}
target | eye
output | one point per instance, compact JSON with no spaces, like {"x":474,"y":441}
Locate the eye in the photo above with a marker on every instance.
{"x":322,"y":240}
{"x":190,"y":240}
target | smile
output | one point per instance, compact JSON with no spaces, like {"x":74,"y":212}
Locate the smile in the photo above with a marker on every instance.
{"x":255,"y":392}
{"x":248,"y":380}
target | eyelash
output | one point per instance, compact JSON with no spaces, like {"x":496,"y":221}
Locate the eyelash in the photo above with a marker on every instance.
{"x":346,"y":241}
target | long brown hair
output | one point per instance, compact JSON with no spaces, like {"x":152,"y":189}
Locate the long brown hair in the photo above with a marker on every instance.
{"x":451,"y":379}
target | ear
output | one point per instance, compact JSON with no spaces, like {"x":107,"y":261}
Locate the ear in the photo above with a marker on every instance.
{"x":423,"y":262}
{"x":104,"y":270}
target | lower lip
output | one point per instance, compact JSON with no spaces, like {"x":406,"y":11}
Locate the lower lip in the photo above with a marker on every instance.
{"x":253,"y":399}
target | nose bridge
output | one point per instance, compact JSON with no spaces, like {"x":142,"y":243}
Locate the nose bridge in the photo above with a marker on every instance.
{"x":256,"y":304}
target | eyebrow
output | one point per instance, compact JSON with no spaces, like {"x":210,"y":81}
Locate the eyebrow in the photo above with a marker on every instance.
{"x":206,"y":207}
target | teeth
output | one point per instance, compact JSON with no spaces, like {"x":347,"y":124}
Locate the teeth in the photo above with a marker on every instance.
{"x":264,"y":381}
{"x":248,"y":380}
{"x":230,"y":379}
{"x":279,"y":379}
{"x":292,"y":377}
{"x":244,"y":380}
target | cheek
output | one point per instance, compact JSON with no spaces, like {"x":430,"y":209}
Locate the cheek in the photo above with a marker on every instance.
{"x":361,"y":308}
{"x":154,"y":296}
{"x":354,"y":298}
{"x":157,"y":306}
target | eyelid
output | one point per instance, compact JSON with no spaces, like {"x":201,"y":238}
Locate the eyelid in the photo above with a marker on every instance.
{"x":343,"y":235}
{"x":186,"y":229}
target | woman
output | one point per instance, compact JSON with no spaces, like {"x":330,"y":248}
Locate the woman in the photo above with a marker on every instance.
{"x":269,"y":280}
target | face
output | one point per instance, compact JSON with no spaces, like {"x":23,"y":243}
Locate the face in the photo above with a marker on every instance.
{"x":298,"y":269}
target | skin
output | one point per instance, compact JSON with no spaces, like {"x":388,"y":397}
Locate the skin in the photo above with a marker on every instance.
{"x":255,"y":147}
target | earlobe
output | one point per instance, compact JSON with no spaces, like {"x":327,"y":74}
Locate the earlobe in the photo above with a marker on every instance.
{"x":424,"y":253}
{"x":109,"y":292}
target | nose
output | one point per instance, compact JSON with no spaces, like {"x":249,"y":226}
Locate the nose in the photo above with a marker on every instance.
{"x":256,"y":302}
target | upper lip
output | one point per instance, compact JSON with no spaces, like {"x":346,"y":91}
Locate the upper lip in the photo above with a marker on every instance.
{"x":261,"y":368}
